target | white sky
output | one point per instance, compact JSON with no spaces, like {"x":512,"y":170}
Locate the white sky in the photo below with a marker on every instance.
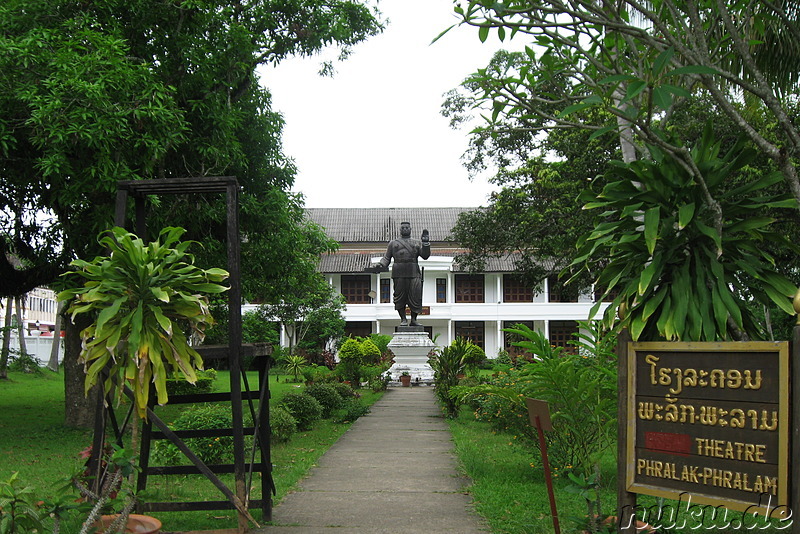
{"x":373,"y":135}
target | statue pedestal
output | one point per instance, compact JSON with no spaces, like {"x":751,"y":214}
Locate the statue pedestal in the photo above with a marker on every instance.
{"x":411,"y":345}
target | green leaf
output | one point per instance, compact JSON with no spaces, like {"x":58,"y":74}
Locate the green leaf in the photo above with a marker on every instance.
{"x":662,"y":98}
{"x":483,"y":33}
{"x":662,"y":60}
{"x":651,"y":220}
{"x":634,"y":88}
{"x":685,"y":214}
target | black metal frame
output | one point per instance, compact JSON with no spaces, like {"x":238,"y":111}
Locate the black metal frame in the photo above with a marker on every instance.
{"x":239,"y":497}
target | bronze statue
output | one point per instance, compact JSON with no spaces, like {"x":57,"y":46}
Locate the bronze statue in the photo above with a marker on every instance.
{"x":406,"y":274}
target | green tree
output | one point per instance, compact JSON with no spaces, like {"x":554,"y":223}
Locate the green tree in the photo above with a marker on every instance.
{"x":674,"y":275}
{"x":103,"y":91}
{"x":636,"y":60}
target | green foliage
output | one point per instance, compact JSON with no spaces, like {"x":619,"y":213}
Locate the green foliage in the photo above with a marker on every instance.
{"x":294,"y":364}
{"x":370,"y":352}
{"x":345,"y":391}
{"x":350,"y":350}
{"x":327,"y":396}
{"x":19,"y":511}
{"x":304,"y":408}
{"x":211,"y":450}
{"x":23,"y":363}
{"x":580,"y":389}
{"x":204,"y":383}
{"x":376,"y":377}
{"x":350,"y":359}
{"x":381,"y":341}
{"x":447,"y":364}
{"x":317,"y":373}
{"x":145,"y":296}
{"x":352,"y":409}
{"x":684,"y":266}
{"x":282,"y":424}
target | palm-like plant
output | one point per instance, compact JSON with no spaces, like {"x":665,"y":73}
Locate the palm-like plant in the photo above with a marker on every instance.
{"x":683,"y":270}
{"x":145,"y":297}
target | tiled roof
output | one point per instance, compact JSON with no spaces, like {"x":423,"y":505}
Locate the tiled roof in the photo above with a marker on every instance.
{"x":344,"y":263}
{"x":371,"y":225}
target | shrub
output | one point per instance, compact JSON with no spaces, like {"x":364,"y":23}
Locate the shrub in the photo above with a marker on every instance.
{"x":327,"y":396}
{"x":345,"y":391}
{"x":316,"y":373}
{"x":370,"y":353}
{"x":204,"y":384}
{"x":211,"y":450}
{"x":352,"y":410}
{"x":22,"y":362}
{"x":304,"y":408}
{"x":282,"y":424}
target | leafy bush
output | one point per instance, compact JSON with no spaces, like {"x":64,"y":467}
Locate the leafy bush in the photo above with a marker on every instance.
{"x":503,"y":358}
{"x":350,"y":358}
{"x":22,"y":362}
{"x":370,"y":353}
{"x":19,"y":512}
{"x":212,"y":450}
{"x":352,"y":410}
{"x":447,"y":364}
{"x":304,"y":408}
{"x":345,"y":391}
{"x":580,"y":389}
{"x":204,"y":384}
{"x":282,"y":424}
{"x":327,"y":396}
{"x":316,"y":373}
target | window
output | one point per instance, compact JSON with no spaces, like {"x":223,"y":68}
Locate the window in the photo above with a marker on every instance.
{"x":469,"y":288}
{"x":356,"y":288}
{"x":515,"y":289}
{"x":386,"y":290}
{"x":441,"y":290}
{"x":560,"y":293}
{"x":562,"y":334}
{"x":471,"y":330}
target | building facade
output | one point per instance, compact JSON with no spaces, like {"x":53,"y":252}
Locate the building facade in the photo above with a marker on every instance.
{"x":477,"y":306}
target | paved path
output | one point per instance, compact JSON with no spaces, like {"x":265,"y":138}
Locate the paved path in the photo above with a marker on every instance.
{"x":393,"y":471}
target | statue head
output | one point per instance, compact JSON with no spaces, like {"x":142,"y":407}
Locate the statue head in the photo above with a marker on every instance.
{"x":405,"y":229}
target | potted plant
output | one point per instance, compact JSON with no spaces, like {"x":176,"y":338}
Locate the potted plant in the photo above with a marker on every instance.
{"x":405,"y":379}
{"x":144,"y":298}
{"x":110,"y":506}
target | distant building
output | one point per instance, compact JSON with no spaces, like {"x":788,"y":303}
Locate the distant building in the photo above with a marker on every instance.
{"x":477,"y":306}
{"x":38,"y":322}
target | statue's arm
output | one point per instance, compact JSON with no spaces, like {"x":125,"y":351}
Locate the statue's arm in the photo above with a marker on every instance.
{"x":383,"y":263}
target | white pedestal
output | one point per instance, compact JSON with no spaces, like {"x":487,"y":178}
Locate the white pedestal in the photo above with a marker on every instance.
{"x":411,"y":346}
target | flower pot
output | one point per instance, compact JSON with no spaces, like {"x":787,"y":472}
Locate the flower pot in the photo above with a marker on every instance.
{"x":137,"y":524}
{"x":405,"y":380}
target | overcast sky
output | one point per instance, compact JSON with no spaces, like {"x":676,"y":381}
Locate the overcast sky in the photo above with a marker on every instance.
{"x":373,"y":135}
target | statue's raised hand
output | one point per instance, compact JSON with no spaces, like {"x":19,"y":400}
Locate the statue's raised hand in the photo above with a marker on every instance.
{"x":425,"y":237}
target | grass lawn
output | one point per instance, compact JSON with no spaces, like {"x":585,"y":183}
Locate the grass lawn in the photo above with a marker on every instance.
{"x":509,"y":489}
{"x":34,"y":442}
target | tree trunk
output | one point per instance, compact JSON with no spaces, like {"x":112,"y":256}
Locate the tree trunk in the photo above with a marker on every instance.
{"x":53,"y":363}
{"x":6,"y":339}
{"x":23,"y":347}
{"x":79,"y":409}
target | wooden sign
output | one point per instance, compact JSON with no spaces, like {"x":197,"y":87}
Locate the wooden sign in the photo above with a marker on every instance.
{"x":709,"y":421}
{"x":539,"y":408}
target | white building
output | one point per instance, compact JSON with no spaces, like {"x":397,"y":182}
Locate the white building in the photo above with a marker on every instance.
{"x":38,"y":323}
{"x":455,"y":303}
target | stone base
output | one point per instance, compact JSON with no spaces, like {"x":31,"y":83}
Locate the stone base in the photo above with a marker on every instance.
{"x":411,"y":348}
{"x":406,"y":329}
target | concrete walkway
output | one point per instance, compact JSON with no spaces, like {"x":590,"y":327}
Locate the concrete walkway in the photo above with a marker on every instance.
{"x":393,"y":471}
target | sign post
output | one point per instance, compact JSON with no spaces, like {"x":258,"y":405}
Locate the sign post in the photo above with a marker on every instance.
{"x":539,"y":414}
